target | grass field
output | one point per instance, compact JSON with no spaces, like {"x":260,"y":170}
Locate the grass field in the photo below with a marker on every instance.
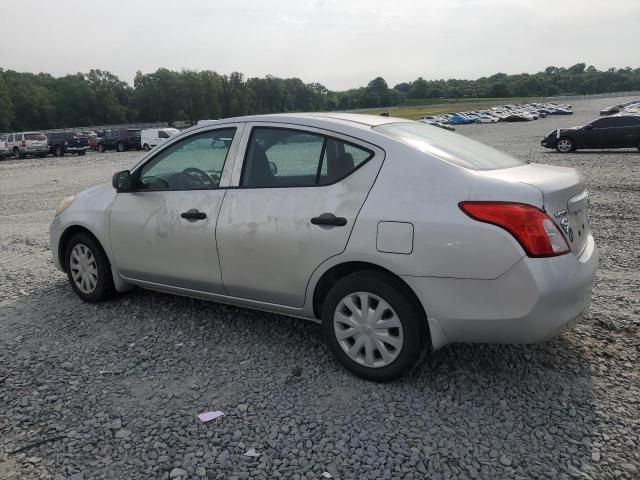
{"x":414,"y":113}
{"x":437,"y":106}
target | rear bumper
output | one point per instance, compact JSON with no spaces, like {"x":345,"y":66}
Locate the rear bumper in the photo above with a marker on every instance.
{"x":34,"y":151}
{"x":77,"y":149}
{"x":533,"y":301}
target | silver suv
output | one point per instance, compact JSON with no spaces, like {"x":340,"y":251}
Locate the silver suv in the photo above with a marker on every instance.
{"x":28,"y":143}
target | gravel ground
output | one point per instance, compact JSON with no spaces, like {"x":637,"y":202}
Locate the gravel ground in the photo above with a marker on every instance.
{"x":112,"y":390}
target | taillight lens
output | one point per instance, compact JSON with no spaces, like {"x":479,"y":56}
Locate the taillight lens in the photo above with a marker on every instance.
{"x":530,"y":226}
{"x":24,"y":143}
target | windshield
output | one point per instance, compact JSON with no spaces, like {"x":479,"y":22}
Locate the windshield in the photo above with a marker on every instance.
{"x":450,"y":147}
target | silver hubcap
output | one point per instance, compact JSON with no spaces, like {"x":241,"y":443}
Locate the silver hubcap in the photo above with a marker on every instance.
{"x":368,"y":329}
{"x":564,"y":145}
{"x":84,"y":269}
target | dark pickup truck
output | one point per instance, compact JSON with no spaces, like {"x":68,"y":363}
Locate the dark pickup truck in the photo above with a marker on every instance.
{"x":121,"y":139}
{"x":67,"y":142}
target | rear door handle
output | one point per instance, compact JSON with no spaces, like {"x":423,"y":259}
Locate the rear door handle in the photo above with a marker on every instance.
{"x":193,"y":214}
{"x":329,"y":219}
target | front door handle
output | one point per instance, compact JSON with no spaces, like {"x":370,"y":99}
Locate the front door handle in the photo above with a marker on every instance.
{"x":193,"y":214}
{"x":329,"y":219}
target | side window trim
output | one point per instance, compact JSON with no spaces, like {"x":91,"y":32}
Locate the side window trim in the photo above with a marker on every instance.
{"x":238,"y":169}
{"x":322,"y":155}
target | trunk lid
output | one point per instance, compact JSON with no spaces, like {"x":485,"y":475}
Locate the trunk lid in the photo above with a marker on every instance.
{"x":565,"y":198}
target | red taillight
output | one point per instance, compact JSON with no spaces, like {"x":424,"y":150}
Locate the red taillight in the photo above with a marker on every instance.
{"x":24,"y":143}
{"x":66,"y":142}
{"x":530,"y":226}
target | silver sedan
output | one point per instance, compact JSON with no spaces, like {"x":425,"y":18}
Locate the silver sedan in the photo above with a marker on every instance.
{"x":396,"y":235}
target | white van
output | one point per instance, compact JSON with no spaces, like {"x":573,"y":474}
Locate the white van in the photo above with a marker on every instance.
{"x":155,"y":136}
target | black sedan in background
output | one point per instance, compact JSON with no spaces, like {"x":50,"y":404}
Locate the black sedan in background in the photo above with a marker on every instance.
{"x":609,"y":132}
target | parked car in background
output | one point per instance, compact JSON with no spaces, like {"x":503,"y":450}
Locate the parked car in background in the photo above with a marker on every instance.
{"x":4,"y":147}
{"x":22,"y":144}
{"x":327,"y":217}
{"x":120,"y":139}
{"x":151,"y":137}
{"x":621,"y":108}
{"x":608,"y":132}
{"x":67,"y":142}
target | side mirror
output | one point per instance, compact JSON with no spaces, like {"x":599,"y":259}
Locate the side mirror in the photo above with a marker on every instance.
{"x":122,"y":181}
{"x":274,"y":168}
{"x":588,"y":127}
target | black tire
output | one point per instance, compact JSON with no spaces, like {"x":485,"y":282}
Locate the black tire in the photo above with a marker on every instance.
{"x":638,"y":145}
{"x":81,"y":153}
{"x":100,"y":148}
{"x":121,"y":147}
{"x":146,"y":147}
{"x":104,"y":288}
{"x":565,"y":145}
{"x":411,"y":316}
{"x":42,"y":155}
{"x":58,"y":152}
{"x":17,"y":153}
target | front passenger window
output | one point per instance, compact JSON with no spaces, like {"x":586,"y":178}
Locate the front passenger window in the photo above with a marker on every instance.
{"x":194,"y":163}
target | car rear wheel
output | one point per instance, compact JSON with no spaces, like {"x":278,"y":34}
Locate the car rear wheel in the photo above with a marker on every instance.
{"x":101,"y":148}
{"x":146,"y":147}
{"x":88,"y":269}
{"x":121,"y":147}
{"x":565,"y":145}
{"x":17,"y":153}
{"x":373,"y":327}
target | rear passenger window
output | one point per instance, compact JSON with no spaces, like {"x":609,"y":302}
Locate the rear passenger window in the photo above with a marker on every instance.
{"x":340,"y":159}
{"x":278,"y":157}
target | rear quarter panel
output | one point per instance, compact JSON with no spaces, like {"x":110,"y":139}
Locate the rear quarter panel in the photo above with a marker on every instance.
{"x":425,"y":191}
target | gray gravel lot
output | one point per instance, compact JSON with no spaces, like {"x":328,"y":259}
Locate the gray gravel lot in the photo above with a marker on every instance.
{"x":113,"y":389}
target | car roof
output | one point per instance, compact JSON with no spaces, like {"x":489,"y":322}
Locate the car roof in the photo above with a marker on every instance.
{"x":328,"y":118}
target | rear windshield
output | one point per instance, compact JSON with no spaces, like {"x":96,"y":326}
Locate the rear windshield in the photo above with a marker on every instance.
{"x":35,"y":136}
{"x":448,"y":146}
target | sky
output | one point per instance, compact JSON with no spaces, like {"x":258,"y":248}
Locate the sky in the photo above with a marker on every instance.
{"x":341,"y":44}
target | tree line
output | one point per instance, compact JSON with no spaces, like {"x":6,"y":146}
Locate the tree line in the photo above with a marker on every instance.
{"x":42,"y":101}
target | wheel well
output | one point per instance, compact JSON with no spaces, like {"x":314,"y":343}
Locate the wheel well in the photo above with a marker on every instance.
{"x":66,"y":236}
{"x":331,"y":276}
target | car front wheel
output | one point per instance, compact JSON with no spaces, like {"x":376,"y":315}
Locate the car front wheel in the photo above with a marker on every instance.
{"x":373,"y":327}
{"x":565,"y":145}
{"x":101,"y":148}
{"x":88,"y":269}
{"x":121,"y":147}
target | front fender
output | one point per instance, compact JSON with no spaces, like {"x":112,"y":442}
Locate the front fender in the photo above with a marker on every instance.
{"x":90,"y":211}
